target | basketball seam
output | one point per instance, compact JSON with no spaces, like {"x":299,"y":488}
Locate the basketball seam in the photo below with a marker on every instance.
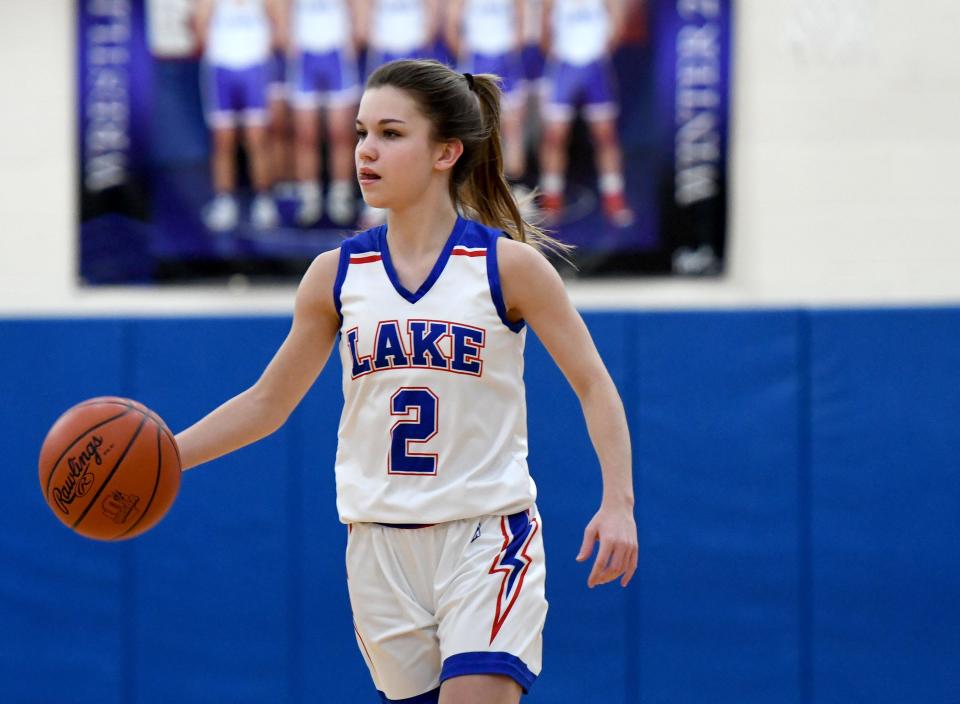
{"x":74,"y":442}
{"x":171,"y":438}
{"x":130,"y":406}
{"x":112,"y":472}
{"x":156,"y":483}
{"x":103,"y":402}
{"x":166,"y":430}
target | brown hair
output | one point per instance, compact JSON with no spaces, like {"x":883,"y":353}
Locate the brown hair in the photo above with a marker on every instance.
{"x":467,"y":107}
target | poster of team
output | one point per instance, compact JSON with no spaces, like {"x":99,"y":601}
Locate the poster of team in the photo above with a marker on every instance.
{"x":216,"y":137}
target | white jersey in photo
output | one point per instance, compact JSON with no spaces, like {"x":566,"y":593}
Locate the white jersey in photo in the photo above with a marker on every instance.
{"x":239,"y":34}
{"x":489,"y":26}
{"x":581,"y":30}
{"x":434,"y":424}
{"x":320,"y":26}
{"x":399,"y":25}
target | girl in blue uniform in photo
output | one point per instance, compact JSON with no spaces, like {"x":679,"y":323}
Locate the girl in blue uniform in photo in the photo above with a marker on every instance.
{"x":391,"y":30}
{"x":429,"y":314}
{"x":238,"y":37}
{"x":580,"y":37}
{"x":486,"y":36}
{"x":324,"y":78}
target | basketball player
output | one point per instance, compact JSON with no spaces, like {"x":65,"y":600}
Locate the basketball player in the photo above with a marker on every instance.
{"x":492,"y":36}
{"x":237,"y":37}
{"x":430,"y":311}
{"x":580,"y":36}
{"x":395,"y":29}
{"x":532,"y":52}
{"x":280,"y":135}
{"x":324,"y":76}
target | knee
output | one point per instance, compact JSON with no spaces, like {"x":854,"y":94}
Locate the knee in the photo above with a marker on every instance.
{"x":555,"y":134}
{"x":306,"y":136}
{"x":340,"y":133}
{"x":224,"y":139}
{"x":604,"y":133}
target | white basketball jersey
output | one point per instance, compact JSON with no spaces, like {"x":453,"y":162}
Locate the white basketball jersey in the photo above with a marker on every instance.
{"x":434,"y":422}
{"x":320,"y":25}
{"x":581,"y":30}
{"x":489,"y":26}
{"x":399,"y":25}
{"x":239,"y":34}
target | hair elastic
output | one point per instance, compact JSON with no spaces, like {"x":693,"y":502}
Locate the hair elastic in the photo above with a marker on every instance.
{"x":469,"y":77}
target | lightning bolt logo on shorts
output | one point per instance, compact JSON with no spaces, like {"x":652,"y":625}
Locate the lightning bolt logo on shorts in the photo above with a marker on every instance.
{"x":512,"y":562}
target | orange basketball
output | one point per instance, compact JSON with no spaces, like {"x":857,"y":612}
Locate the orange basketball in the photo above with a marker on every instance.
{"x":109,"y":468}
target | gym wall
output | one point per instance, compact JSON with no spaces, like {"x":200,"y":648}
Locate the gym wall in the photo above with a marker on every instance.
{"x":793,"y":423}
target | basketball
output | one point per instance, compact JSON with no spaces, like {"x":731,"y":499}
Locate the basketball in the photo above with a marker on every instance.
{"x":109,"y":468}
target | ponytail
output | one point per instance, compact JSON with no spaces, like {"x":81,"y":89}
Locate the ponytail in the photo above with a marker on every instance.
{"x":467,"y":107}
{"x":486,"y":191}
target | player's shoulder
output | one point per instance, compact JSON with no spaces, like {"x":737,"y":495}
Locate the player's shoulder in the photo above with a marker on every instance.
{"x":506,"y":252}
{"x":328,"y":269}
{"x":367,"y":241}
{"x":526,"y":276}
{"x":476,"y":235}
{"x":515,"y":255}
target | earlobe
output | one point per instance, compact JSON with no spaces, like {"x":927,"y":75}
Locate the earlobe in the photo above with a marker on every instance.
{"x":450,"y":152}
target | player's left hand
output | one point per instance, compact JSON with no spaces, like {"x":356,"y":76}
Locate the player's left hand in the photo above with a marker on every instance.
{"x":616,"y":530}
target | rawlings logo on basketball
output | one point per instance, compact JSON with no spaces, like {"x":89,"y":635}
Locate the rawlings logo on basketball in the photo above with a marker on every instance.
{"x":118,"y":506}
{"x":80,"y":478}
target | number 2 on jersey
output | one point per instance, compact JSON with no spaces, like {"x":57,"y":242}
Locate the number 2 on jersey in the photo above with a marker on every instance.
{"x":417,"y":407}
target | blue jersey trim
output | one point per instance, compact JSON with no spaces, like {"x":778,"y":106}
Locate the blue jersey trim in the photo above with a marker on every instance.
{"x":488,"y":663}
{"x":431,"y":697}
{"x":341,"y":275}
{"x":366,"y":241}
{"x":434,"y":273}
{"x":493,"y":276}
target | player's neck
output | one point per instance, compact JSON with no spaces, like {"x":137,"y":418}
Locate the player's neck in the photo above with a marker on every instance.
{"x":422,"y":228}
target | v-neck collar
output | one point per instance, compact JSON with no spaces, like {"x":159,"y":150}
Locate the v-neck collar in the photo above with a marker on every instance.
{"x":434,"y":273}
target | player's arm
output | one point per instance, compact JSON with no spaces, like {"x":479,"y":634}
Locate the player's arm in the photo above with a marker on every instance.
{"x":202,"y":13}
{"x":357,"y":19}
{"x":518,"y":11}
{"x":265,"y":406}
{"x":362,"y":17}
{"x":452,"y":26}
{"x":432,"y":10}
{"x":617,"y":14}
{"x":533,"y":291}
{"x":278,"y":12}
{"x":546,"y":27}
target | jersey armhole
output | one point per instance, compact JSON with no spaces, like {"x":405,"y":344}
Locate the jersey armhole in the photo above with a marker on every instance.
{"x":341,"y":275}
{"x":496,"y":293}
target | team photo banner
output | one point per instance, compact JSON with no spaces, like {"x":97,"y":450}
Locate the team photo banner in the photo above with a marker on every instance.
{"x":216,"y":136}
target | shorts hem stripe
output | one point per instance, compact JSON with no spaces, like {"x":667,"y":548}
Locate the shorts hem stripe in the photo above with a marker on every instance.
{"x":488,"y":663}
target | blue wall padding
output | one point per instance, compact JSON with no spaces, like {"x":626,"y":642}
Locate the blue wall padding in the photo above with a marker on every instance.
{"x":716,"y":425}
{"x":326,"y":663}
{"x":885,"y":487}
{"x":797,"y":496}
{"x":63,"y":598}
{"x":212,"y":588}
{"x":568,"y":479}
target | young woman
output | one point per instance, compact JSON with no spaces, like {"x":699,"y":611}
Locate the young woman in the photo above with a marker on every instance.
{"x":444,"y":551}
{"x":324,"y":77}
{"x":237,"y":38}
{"x":391,"y":30}
{"x":580,"y":37}
{"x":486,"y":36}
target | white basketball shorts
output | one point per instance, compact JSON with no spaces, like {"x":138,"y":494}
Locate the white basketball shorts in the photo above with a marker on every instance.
{"x":459,"y":598}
